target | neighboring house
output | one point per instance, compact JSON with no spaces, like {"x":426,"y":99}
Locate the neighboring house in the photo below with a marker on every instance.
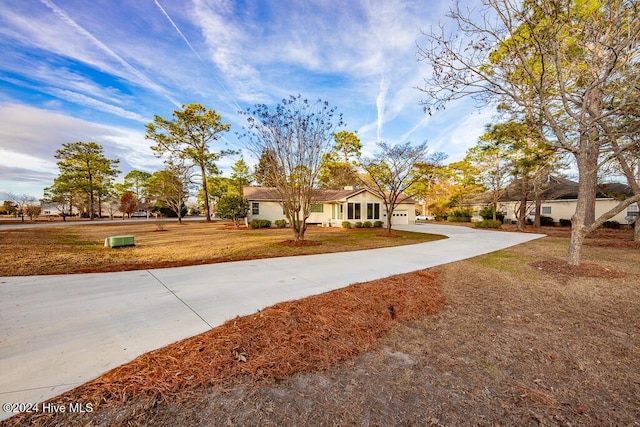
{"x":331,"y":207}
{"x":53,"y":209}
{"x":559,"y":201}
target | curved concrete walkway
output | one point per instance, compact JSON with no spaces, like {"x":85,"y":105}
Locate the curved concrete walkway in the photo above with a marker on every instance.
{"x":57,"y":332}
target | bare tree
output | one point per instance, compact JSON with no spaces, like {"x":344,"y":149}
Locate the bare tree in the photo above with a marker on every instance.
{"x":571,"y":63}
{"x":392,"y":171}
{"x":170,"y":186}
{"x":23,"y":204}
{"x":296,"y":134}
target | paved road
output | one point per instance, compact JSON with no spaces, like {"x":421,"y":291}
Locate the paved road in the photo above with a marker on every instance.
{"x":57,"y":332}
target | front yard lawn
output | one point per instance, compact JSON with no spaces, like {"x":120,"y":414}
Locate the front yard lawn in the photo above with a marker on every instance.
{"x":80,"y":249}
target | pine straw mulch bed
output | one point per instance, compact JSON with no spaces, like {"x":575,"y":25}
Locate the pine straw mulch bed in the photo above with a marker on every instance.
{"x":561,"y":268}
{"x":291,"y":337}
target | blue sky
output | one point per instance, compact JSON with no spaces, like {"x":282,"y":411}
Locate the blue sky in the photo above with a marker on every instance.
{"x":72,"y":70}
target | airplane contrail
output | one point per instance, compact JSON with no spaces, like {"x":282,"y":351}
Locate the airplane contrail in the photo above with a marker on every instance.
{"x":175,"y":26}
{"x":178,"y":30}
{"x":63,"y":15}
{"x":380,"y":101}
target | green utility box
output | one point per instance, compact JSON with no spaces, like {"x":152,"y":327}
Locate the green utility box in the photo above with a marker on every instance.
{"x":118,"y":241}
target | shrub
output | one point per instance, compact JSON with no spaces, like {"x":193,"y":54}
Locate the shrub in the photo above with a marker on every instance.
{"x":487,"y":213}
{"x":281,"y":223}
{"x":489,"y":223}
{"x":346,"y":224}
{"x":455,"y":218}
{"x":260,"y":223}
{"x":367,"y":224}
{"x":460,"y":215}
{"x":565,"y":222}
{"x":378,"y":224}
{"x":611,"y":224}
{"x":546,"y":220}
{"x":358,"y":224}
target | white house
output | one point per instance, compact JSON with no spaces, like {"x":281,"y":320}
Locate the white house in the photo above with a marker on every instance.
{"x":331,"y":207}
{"x":560,"y":199}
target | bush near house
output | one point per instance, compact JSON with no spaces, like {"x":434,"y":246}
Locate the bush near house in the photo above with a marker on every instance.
{"x":460,"y":215}
{"x":487,"y":213}
{"x":346,"y":224}
{"x":358,"y":224}
{"x":489,"y":223}
{"x":565,"y":222}
{"x":611,"y":224}
{"x":367,"y":224}
{"x":281,"y":223}
{"x":546,"y":220}
{"x":377,"y":224}
{"x":260,"y":223}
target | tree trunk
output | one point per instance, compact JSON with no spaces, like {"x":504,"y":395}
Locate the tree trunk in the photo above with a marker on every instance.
{"x":536,"y":220}
{"x":91,"y":204}
{"x":205,"y":190}
{"x":577,"y":238}
{"x":636,"y":226}
{"x":522,"y":210}
{"x":585,"y":206}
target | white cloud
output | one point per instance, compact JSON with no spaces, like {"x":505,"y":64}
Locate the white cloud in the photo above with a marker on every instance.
{"x":29,"y":137}
{"x":86,"y":101}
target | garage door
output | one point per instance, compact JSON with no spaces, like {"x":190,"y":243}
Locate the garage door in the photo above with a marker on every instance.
{"x":400,"y":218}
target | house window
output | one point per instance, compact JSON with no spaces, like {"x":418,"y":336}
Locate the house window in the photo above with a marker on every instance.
{"x":546,"y":210}
{"x":354,"y":211}
{"x":373,"y":210}
{"x":255,"y":208}
{"x":317,"y":208}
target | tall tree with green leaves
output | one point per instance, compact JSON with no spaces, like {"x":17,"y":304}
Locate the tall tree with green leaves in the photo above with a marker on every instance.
{"x":62,"y":195}
{"x":135,"y":181}
{"x":265,"y":170}
{"x":492,"y":160}
{"x":233,"y":207}
{"x":84,"y":167}
{"x":573,"y":64}
{"x":188,"y":138}
{"x":338,"y":168}
{"x":241,"y":176}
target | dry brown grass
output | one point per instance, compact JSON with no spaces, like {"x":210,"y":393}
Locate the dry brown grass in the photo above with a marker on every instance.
{"x":513,"y":345}
{"x":80,"y":249}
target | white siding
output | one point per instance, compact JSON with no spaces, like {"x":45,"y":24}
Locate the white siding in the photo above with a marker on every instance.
{"x":564,"y":209}
{"x":267,"y":210}
{"x":273,"y":211}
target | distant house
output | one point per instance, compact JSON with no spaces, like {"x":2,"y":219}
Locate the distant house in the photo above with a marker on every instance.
{"x":559,"y":200}
{"x":331,"y":207}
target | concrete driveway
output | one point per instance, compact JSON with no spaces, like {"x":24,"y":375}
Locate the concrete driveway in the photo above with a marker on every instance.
{"x":58,"y":332}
